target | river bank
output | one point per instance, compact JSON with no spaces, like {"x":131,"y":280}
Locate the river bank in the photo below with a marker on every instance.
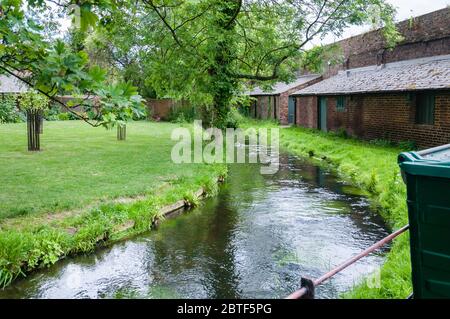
{"x":373,"y":168}
{"x":85,"y":189}
{"x":28,"y":244}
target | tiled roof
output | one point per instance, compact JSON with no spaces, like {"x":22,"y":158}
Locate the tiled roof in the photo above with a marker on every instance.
{"x":408,"y":75}
{"x":8,"y":84}
{"x":281,"y":87}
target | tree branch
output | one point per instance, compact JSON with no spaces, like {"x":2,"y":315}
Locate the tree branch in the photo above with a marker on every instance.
{"x":51,"y":97}
{"x":284,"y":58}
{"x":235,"y":15}
{"x":163,"y":19}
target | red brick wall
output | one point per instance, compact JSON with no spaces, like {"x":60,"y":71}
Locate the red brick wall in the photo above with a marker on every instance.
{"x":392,"y":117}
{"x":350,"y":119}
{"x":284,"y":100}
{"x":265,"y":107}
{"x":307,"y":111}
{"x":424,"y":36}
{"x":381,"y":116}
{"x":159,"y":108}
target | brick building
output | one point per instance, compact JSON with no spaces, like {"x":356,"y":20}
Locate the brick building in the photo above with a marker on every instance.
{"x":400,"y":95}
{"x":278,"y":103}
{"x":424,"y":36}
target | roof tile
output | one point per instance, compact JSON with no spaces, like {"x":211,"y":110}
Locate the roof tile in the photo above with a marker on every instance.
{"x":281,"y":87}
{"x":408,"y":75}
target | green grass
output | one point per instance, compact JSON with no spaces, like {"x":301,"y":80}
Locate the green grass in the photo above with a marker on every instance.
{"x":374,"y":169}
{"x":80,"y":166}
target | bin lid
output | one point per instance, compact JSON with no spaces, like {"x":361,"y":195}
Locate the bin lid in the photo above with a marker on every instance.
{"x":430,"y":162}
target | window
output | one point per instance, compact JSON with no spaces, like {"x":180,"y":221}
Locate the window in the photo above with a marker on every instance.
{"x":340,"y":103}
{"x":424,"y":108}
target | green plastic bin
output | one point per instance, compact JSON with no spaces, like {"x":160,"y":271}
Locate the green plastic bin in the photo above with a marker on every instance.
{"x":427,"y":177}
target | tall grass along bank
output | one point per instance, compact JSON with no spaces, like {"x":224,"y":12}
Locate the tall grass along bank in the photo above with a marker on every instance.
{"x":86,"y":189}
{"x":373,"y":168}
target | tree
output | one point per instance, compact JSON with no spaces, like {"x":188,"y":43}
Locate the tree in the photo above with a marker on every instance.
{"x":117,"y":47}
{"x":201,"y":51}
{"x":53,"y":68}
{"x":34,"y":105}
{"x":205,"y":50}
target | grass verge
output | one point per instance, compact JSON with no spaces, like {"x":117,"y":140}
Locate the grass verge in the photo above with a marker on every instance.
{"x":374,"y":169}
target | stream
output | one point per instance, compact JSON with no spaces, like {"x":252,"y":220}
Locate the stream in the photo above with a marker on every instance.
{"x":255,"y":239}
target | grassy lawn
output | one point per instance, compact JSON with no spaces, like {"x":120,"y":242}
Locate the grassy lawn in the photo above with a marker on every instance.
{"x":59,"y":201}
{"x":374,"y":169}
{"x":80,"y":164}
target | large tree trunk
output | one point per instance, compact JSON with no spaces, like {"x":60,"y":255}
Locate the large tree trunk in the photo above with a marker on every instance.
{"x":222,"y":91}
{"x":223,"y":83}
{"x":34,"y":129}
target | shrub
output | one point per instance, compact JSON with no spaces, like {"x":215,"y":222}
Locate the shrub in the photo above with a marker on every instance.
{"x":73,"y":117}
{"x":51,"y":114}
{"x":341,"y":132}
{"x":9,"y":113}
{"x":143,"y":115}
{"x":63,"y":116}
{"x":403,"y":145}
{"x":180,"y":119}
{"x":182,"y":114}
{"x":407,"y":145}
{"x":234,"y":118}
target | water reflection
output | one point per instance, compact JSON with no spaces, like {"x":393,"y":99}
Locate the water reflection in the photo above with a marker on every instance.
{"x":254,"y":240}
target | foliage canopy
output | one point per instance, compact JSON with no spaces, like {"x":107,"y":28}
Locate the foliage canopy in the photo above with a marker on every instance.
{"x":209,"y":51}
{"x":53,"y":68}
{"x":202,"y":51}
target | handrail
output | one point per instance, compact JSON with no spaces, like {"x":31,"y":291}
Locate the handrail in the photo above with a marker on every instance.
{"x":305,"y":290}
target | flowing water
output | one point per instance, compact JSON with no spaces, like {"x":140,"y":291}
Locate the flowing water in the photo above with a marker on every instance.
{"x":256,"y":239}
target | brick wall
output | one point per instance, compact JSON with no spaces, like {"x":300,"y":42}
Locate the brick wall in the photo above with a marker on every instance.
{"x":284,"y":100}
{"x":160,"y":108}
{"x":265,"y":104}
{"x":392,"y":117}
{"x":381,"y":116}
{"x":265,"y":107}
{"x":307,"y":111}
{"x":425,"y":36}
{"x":350,"y":119}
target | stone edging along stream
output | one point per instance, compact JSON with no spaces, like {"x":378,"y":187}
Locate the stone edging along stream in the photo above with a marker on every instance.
{"x":168,"y":211}
{"x":116,"y":233}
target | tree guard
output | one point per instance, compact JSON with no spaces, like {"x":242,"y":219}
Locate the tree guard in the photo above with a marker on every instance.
{"x":41,"y":122}
{"x":121,"y":132}
{"x":34,"y":129}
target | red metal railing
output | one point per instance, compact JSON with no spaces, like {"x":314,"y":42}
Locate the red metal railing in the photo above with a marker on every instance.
{"x":308,"y":285}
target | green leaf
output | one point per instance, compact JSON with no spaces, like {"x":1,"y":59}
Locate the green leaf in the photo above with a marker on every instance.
{"x":97,"y":74}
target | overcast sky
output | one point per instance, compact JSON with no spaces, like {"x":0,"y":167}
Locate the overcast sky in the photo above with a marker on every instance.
{"x":405,"y":10}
